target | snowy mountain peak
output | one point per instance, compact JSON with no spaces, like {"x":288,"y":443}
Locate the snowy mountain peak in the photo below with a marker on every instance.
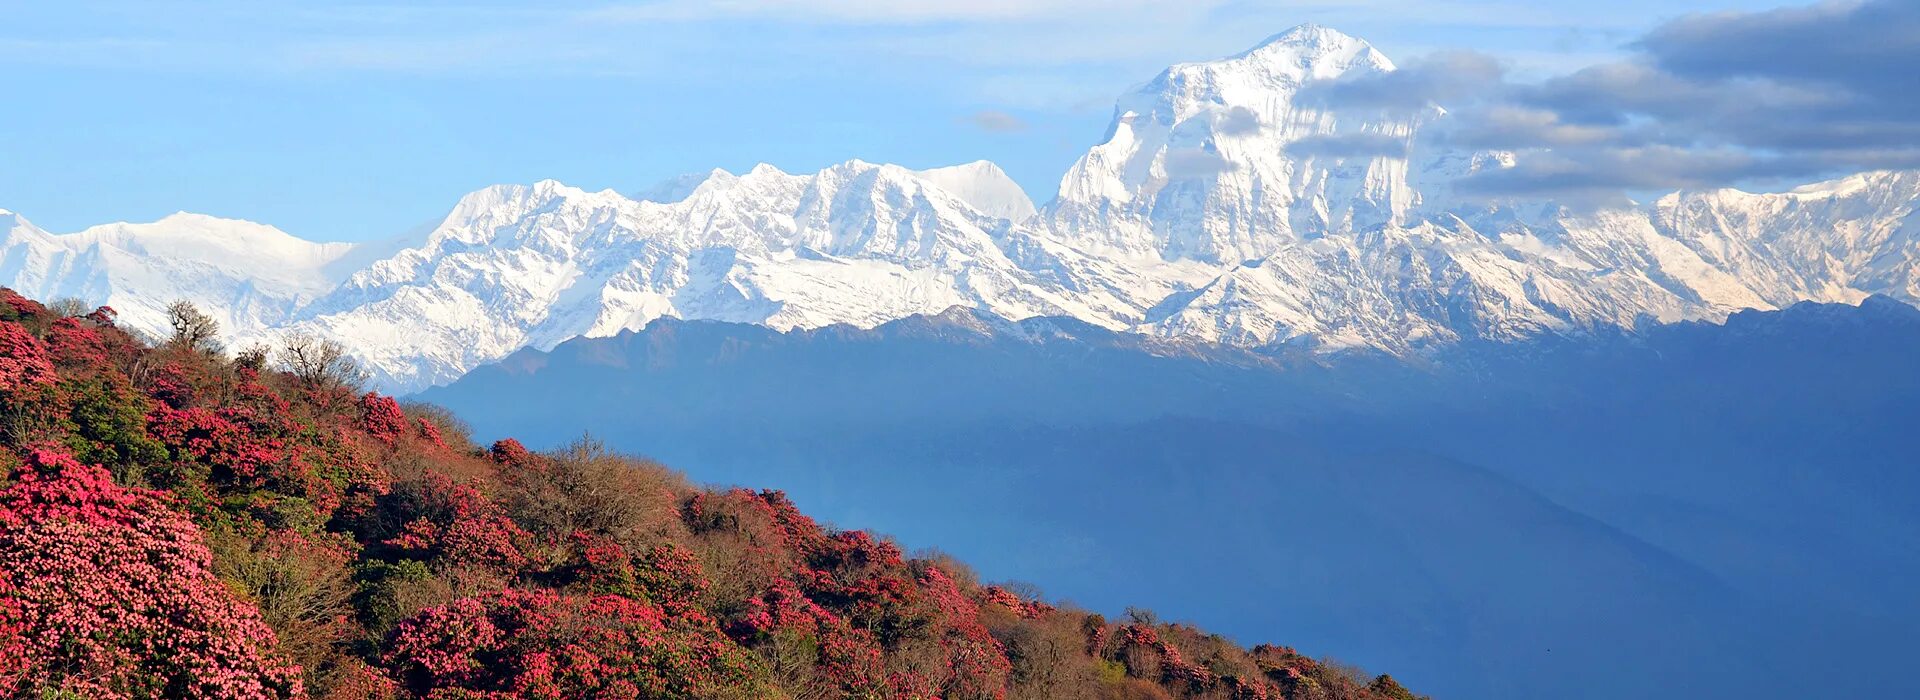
{"x":676,"y":189}
{"x":985,"y":187}
{"x":1318,"y":52}
{"x":474,"y":213}
{"x":1214,"y":162}
{"x":245,"y":274}
{"x":188,"y":228}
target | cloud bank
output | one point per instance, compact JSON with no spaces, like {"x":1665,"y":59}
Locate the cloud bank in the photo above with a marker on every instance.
{"x":1707,"y":100}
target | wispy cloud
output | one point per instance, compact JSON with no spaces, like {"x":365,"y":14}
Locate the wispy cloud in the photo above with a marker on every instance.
{"x":1237,"y":121}
{"x":1195,"y":164}
{"x":996,"y":121}
{"x":1355,"y":145}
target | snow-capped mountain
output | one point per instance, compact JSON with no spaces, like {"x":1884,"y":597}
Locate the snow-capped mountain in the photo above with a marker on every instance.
{"x":1830,"y":241}
{"x":247,"y":275}
{"x":1222,"y":206}
{"x":858,"y":243}
{"x":1210,"y":161}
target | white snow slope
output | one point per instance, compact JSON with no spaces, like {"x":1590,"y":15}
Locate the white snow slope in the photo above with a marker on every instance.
{"x":1206,"y":214}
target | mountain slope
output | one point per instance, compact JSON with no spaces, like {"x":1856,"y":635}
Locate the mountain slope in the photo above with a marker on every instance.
{"x":1830,"y":241}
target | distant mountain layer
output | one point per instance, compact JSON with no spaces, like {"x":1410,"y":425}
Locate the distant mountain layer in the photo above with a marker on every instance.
{"x":1213,"y":209}
{"x":1680,"y":512}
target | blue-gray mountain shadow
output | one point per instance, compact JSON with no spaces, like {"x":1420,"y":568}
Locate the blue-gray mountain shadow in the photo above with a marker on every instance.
{"x":1698,"y":510}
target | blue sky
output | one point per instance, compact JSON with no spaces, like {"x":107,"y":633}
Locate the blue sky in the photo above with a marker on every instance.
{"x":354,"y":121}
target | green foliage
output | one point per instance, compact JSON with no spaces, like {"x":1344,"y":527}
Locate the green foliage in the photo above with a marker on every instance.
{"x":388,"y":592}
{"x":303,"y":587}
{"x":283,"y":512}
{"x":107,"y":426}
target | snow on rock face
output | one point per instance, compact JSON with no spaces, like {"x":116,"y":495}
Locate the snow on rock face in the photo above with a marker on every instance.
{"x":1211,"y":211}
{"x":246,"y":275}
{"x":985,"y":187}
{"x":1834,"y":241}
{"x":517,"y":266}
{"x":675,"y":189}
{"x":1207,"y":161}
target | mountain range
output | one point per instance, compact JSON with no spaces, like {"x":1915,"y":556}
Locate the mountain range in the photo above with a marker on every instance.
{"x":1214,"y":210}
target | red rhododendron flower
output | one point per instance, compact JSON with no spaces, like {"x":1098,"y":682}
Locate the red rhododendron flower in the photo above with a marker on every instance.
{"x":541,"y":644}
{"x":116,"y":597}
{"x":456,"y":523}
{"x":381,"y":417}
{"x":24,"y":361}
{"x":509,"y":452}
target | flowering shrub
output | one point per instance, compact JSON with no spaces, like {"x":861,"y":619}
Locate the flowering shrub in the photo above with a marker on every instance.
{"x":360,"y":484}
{"x":430,"y":433}
{"x":226,"y":441}
{"x":1172,"y":667}
{"x":103,"y":315}
{"x":382,"y":418}
{"x":1026,"y":609}
{"x":76,"y":344}
{"x":600,"y":565}
{"x":170,"y":385}
{"x":116,"y":597}
{"x":848,"y":660}
{"x":509,"y":452}
{"x":867,"y":580}
{"x":24,"y":361}
{"x":13,"y":641}
{"x":977,"y":665}
{"x":454,"y":523}
{"x":672,"y":577}
{"x":541,"y":644}
{"x":14,"y":306}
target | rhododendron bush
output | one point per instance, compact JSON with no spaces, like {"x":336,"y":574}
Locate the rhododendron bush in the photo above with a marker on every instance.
{"x":177,"y":523}
{"x":115,"y":596}
{"x":543,"y":644}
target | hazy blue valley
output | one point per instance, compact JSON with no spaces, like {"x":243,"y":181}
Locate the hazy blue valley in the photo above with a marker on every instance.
{"x":1699,"y":504}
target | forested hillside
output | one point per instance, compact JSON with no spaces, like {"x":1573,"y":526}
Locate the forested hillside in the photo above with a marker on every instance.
{"x":183,"y":521}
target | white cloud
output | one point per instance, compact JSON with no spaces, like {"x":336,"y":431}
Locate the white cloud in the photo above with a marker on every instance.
{"x":1194,"y":164}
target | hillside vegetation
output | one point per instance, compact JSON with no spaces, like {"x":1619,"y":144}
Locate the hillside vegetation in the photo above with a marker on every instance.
{"x":181,"y":522}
